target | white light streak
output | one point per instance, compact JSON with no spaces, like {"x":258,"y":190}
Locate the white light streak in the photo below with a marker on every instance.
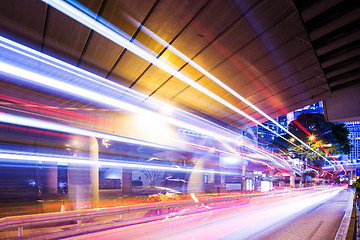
{"x":6,"y":156}
{"x":69,"y":88}
{"x":22,"y":121}
{"x":120,"y":40}
{"x":219,"y":82}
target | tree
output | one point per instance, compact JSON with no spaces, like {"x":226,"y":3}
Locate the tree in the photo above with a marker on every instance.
{"x":325,"y":133}
{"x":152,"y":175}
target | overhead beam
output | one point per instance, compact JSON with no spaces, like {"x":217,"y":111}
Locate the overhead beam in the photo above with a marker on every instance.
{"x":343,"y":105}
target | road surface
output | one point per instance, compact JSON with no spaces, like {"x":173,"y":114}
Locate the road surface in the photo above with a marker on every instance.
{"x":314,"y":213}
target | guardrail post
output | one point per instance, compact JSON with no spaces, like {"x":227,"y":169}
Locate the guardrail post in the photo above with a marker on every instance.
{"x":20,"y":231}
{"x":121,"y":217}
{"x":79,"y":223}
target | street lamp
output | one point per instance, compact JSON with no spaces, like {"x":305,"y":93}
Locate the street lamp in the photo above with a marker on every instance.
{"x":312,"y":137}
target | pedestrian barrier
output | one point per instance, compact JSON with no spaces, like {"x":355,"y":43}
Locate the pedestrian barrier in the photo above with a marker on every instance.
{"x":78,"y":216}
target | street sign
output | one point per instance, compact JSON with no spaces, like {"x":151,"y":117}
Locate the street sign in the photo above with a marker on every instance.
{"x":358,"y":172}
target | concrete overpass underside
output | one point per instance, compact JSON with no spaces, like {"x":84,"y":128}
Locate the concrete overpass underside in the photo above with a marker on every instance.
{"x":279,"y":57}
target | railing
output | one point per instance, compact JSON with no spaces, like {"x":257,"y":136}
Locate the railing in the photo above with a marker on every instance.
{"x":78,"y":216}
{"x":21,"y":222}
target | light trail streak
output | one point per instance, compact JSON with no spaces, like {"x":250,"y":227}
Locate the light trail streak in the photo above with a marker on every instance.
{"x":28,"y":122}
{"x":216,"y":80}
{"x":12,"y":119}
{"x":249,"y":221}
{"x":52,"y":110}
{"x":309,"y":134}
{"x":70,"y":88}
{"x":108,"y":32}
{"x":65,"y":87}
{"x":318,"y":169}
{"x":231,"y":220}
{"x":314,"y":171}
{"x":88,"y":76}
{"x":22,"y":129}
{"x":52,"y":117}
{"x":6,"y":156}
{"x":236,"y":154}
{"x":112,"y":35}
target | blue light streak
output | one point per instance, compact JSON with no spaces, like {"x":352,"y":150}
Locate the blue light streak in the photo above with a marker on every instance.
{"x":75,"y":86}
{"x":108,"y":32}
{"x":16,"y":156}
{"x":28,"y":122}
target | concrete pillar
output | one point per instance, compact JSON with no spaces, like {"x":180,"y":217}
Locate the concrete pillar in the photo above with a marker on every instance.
{"x":217,"y":181}
{"x":292,"y":181}
{"x":271,"y":174}
{"x":211,"y":177}
{"x":50,"y":179}
{"x":243,"y":184}
{"x":126,"y":180}
{"x":83,"y":179}
{"x":78,"y":186}
{"x":94,"y":171}
{"x":196,"y":180}
{"x":354,"y":175}
{"x":243,"y":178}
{"x":282,"y":182}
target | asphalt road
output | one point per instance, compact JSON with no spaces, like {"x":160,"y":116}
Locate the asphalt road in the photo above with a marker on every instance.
{"x":321,"y":222}
{"x":314,"y":213}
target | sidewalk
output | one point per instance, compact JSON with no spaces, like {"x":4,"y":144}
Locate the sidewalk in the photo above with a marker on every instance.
{"x":357,"y":217}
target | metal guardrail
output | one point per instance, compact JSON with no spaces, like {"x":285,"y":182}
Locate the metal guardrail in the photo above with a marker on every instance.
{"x":21,"y":222}
{"x":49,"y":219}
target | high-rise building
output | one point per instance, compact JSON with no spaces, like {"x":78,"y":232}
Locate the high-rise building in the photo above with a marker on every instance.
{"x":264,"y":137}
{"x":354,"y":136}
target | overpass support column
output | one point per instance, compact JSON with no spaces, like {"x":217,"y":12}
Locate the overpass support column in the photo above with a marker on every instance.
{"x":271,"y":175}
{"x":211,"y":177}
{"x":126,"y":180}
{"x":292,"y":181}
{"x":354,"y":175}
{"x":51,"y":178}
{"x":217,"y":181}
{"x":94,"y":171}
{"x":83,"y":179}
{"x":196,"y":180}
{"x":243,"y":178}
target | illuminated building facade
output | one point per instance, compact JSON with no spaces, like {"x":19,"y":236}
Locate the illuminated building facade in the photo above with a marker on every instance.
{"x":265,"y":137}
{"x":354,"y":129}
